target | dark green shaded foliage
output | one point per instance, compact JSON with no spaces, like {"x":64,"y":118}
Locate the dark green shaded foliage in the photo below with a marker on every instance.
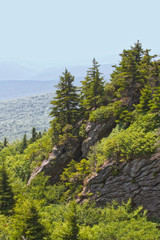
{"x":5,"y":143}
{"x":24,"y":144}
{"x":6,"y":193}
{"x":34,"y":135}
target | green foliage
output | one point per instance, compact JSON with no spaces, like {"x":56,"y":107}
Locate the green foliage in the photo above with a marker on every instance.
{"x":82,"y":131}
{"x":101,"y":114}
{"x":22,"y":165}
{"x":5,"y":143}
{"x":34,"y":135}
{"x":27,"y":222}
{"x":133,"y":229}
{"x":67,"y":135}
{"x":105,"y":112}
{"x":55,"y":194}
{"x":69,"y":230}
{"x":92,"y":90}
{"x":126,"y":144}
{"x":24,"y":144}
{"x":120,"y":222}
{"x":5,"y":231}
{"x":146,"y":96}
{"x":40,"y":189}
{"x":6,"y":193}
{"x":74,"y":175}
{"x":132,"y":74}
{"x":109,"y":92}
{"x":76,"y":221}
{"x":65,"y":104}
{"x":154,"y":103}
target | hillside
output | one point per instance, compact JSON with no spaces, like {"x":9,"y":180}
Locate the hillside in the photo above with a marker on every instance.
{"x":21,"y":115}
{"x":95,"y":174}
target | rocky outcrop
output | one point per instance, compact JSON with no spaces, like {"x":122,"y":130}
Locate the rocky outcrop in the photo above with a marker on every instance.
{"x":95,"y":132}
{"x":138,"y":180}
{"x":58,"y":160}
{"x":73,"y":148}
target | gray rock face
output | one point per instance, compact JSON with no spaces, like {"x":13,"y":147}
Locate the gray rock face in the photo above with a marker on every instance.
{"x":138,"y":180}
{"x":72,"y":149}
{"x":95,"y":132}
{"x":58,"y":160}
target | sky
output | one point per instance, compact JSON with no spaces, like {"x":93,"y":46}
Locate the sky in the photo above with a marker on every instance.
{"x":72,"y":32}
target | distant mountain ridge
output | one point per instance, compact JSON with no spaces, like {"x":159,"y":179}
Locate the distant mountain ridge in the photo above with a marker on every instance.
{"x":78,"y":71}
{"x":15,"y":71}
{"x":17,"y":81}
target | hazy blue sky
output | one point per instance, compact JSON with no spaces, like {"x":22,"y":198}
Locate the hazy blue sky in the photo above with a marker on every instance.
{"x":67,"y":32}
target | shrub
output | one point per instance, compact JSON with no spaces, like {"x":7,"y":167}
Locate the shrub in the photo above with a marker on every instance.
{"x":126,"y":144}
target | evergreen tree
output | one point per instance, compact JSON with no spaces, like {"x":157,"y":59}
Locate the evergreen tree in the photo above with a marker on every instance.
{"x":65,"y":104}
{"x":34,"y":135}
{"x":155,"y":73}
{"x":92,"y":90}
{"x":145,"y":98}
{"x":6,"y":194}
{"x":72,"y":220}
{"x":39,"y":135}
{"x":27,"y":224}
{"x":23,"y":144}
{"x":69,"y":229}
{"x":154,"y":103}
{"x":5,"y":143}
{"x":132,"y":74}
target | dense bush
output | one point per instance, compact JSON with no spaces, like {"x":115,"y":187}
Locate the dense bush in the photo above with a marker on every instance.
{"x":21,"y":165}
{"x":105,"y":112}
{"x":126,"y":144}
{"x":114,"y":222}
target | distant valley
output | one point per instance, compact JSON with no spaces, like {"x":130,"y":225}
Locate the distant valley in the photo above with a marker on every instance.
{"x":20,"y":116}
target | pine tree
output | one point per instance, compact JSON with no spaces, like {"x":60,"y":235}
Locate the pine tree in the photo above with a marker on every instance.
{"x":5,"y":143}
{"x":155,"y":73}
{"x":70,"y":229}
{"x":72,"y":220}
{"x":6,"y":194}
{"x":39,"y":135}
{"x":34,"y":135}
{"x":66,"y":103}
{"x":145,"y":98}
{"x":130,"y":76}
{"x":154,"y":103}
{"x":92,"y":90}
{"x":27,"y":224}
{"x":23,"y":144}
